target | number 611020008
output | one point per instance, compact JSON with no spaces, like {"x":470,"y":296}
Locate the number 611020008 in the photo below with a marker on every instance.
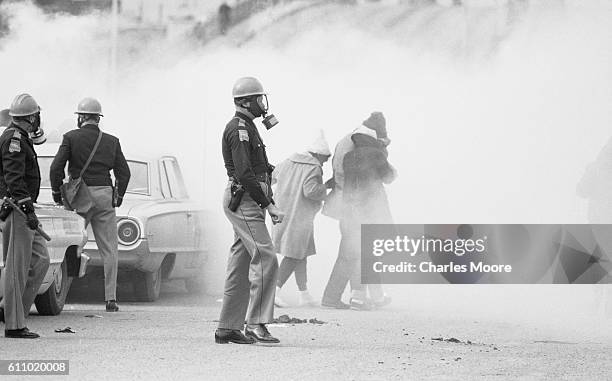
{"x":34,"y":367}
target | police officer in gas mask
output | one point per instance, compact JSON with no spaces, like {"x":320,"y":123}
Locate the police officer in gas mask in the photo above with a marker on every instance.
{"x":24,"y":249}
{"x":252,"y":265}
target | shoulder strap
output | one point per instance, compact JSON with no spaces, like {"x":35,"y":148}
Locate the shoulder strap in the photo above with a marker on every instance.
{"x":91,"y":155}
{"x":16,"y":134}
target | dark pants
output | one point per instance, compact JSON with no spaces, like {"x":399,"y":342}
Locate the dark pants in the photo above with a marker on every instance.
{"x":292,"y":265}
{"x":348,"y":267}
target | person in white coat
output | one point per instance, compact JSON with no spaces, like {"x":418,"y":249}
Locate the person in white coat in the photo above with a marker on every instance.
{"x":299,"y":192}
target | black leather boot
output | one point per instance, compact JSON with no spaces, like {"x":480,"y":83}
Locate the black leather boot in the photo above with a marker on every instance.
{"x":261,"y":334}
{"x":226,"y":336}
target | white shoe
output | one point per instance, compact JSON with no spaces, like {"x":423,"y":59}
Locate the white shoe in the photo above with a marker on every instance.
{"x":307,"y":300}
{"x":278,"y":301}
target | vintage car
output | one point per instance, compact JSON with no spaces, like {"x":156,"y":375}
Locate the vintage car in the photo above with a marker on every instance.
{"x":68,"y":236}
{"x":159,"y":228}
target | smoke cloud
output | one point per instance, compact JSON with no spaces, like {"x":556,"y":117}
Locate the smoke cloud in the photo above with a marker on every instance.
{"x":493,"y":112}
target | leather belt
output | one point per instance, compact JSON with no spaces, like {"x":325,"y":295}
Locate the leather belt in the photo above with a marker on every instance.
{"x":264,"y":177}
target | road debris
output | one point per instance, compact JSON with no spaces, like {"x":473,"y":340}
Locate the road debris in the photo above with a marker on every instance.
{"x":451,"y":340}
{"x":454,"y":340}
{"x":65,"y":330}
{"x":94,"y":316}
{"x":286,"y":319}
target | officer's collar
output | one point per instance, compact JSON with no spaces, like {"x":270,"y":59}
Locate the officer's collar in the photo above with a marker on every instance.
{"x":246,"y":118}
{"x":90,"y":125}
{"x":19,"y":128}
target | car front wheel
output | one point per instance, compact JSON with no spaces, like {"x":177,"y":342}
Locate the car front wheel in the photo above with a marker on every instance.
{"x":148,"y":284}
{"x":51,"y":302}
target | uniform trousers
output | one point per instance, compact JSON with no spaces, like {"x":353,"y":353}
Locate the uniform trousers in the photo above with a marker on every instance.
{"x":26,"y":263}
{"x":251,"y":267}
{"x":103,"y":220}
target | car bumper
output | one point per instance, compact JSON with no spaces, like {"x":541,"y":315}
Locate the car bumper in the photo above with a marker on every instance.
{"x":138,"y":257}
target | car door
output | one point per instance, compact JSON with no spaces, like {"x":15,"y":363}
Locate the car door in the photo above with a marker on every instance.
{"x":176,"y":230}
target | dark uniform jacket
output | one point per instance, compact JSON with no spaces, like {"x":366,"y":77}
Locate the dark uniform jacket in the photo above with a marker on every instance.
{"x":19,"y":172}
{"x":244,"y":154}
{"x":76,"y":148}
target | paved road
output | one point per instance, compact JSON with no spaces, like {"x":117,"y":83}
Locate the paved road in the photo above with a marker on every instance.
{"x":173,"y":339}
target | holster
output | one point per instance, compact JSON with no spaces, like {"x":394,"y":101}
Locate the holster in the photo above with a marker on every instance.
{"x":5,"y":211}
{"x":237,"y":191}
{"x":115,"y":195}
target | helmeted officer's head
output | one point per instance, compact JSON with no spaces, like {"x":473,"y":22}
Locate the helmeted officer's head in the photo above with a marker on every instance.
{"x":89,"y":111}
{"x":249,"y":95}
{"x":25,"y":112}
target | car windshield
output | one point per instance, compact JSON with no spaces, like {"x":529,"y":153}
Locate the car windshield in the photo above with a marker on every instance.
{"x":139,"y":180}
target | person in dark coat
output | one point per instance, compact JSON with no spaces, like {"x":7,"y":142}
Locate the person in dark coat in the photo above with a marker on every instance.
{"x":364,"y":201}
{"x":75,"y":149}
{"x":252,"y":264}
{"x":24,"y":249}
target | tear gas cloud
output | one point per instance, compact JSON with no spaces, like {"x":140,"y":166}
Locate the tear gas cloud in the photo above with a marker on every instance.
{"x":494,"y":112}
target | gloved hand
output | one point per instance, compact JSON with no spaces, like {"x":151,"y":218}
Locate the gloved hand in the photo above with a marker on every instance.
{"x":32,"y":221}
{"x":330,"y":184}
{"x":117,"y":202}
{"x":57,"y":198}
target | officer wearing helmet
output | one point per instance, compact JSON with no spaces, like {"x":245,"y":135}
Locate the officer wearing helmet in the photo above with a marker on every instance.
{"x":76,"y":148}
{"x":252,"y":265}
{"x":24,"y":249}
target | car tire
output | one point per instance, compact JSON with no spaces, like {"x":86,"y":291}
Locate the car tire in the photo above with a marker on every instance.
{"x":51,"y":302}
{"x":147,"y":285}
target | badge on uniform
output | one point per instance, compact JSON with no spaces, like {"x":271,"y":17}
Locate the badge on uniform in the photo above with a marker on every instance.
{"x":243,"y":135}
{"x":15,"y":146}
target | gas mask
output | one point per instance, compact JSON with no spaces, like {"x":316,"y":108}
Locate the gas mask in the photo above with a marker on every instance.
{"x":259,"y":107}
{"x":37,"y":134}
{"x":38,"y":137}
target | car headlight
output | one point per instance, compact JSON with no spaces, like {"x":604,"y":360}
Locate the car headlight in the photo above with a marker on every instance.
{"x":128,"y":232}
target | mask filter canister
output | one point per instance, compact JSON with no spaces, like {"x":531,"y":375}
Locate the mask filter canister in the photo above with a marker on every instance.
{"x":270,"y":121}
{"x":38,"y":137}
